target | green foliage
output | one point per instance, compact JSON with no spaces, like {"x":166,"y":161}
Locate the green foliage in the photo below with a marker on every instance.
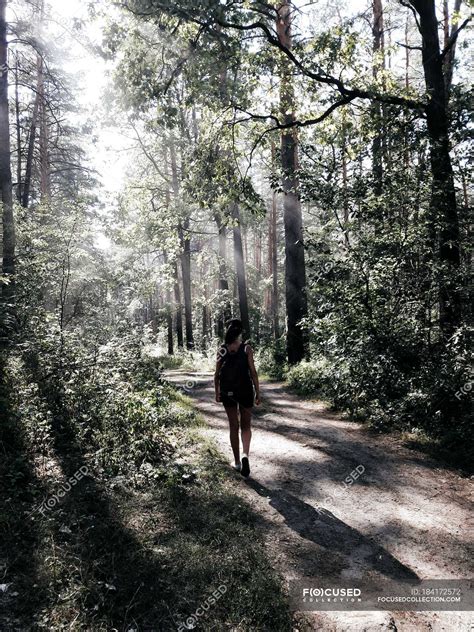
{"x":271,"y":359}
{"x":214,"y":179}
{"x":308,"y":378}
{"x":110,"y":398}
{"x":373,"y":278}
{"x":171,"y":361}
{"x":80,"y":364}
{"x":178,"y":532}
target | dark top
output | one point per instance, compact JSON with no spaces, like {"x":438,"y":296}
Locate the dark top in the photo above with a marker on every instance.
{"x":235,"y":371}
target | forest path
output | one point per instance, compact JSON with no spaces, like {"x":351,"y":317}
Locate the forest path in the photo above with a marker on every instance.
{"x":404,"y":517}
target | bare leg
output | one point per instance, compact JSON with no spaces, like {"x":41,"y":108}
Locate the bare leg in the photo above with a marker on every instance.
{"x":245,"y":428}
{"x":233,"y":416}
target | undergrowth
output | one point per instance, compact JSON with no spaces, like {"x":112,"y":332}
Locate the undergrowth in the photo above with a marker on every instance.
{"x":115,"y":513}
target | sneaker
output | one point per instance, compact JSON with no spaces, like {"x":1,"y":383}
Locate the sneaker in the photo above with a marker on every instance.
{"x":237,"y":466}
{"x":245,"y":469}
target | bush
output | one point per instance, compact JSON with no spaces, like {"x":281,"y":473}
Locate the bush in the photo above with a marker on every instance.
{"x":308,"y":378}
{"x":393,"y":384}
{"x":170,"y":361}
{"x":130,"y":433}
{"x":109,"y":398}
{"x":271,"y":359}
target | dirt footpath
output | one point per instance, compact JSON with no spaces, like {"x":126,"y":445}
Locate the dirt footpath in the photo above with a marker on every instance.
{"x":403,"y":518}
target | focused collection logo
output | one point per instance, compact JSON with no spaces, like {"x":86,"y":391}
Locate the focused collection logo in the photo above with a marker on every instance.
{"x":328,"y":594}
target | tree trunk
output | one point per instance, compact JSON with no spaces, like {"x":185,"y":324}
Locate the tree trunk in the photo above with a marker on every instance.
{"x":169,"y":313}
{"x":169,"y":310}
{"x":406,"y":151}
{"x":273,"y":255}
{"x":8,"y":222}
{"x":443,"y":206}
{"x":25,"y":197}
{"x":169,"y":326}
{"x":449,"y":58}
{"x":275,"y":305}
{"x":240,"y":272}
{"x":205,"y":308}
{"x":37,"y":107}
{"x":258,"y":252}
{"x":258,"y":277}
{"x":295,"y":272}
{"x":445,"y":22}
{"x":377,"y":112}
{"x":186,"y":274}
{"x":45,"y":166}
{"x":179,"y":309}
{"x":223,"y":282}
{"x":407,"y":55}
{"x":268,"y":290}
{"x":185,"y":256}
{"x":243,"y":232}
{"x":19,"y":157}
{"x":205,"y":330}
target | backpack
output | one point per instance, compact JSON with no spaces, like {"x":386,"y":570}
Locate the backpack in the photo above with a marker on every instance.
{"x":234,"y":370}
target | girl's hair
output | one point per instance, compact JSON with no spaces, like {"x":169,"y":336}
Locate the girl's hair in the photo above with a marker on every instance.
{"x":234,"y":329}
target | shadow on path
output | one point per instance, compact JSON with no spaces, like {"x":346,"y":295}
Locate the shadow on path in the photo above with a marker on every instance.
{"x":327,"y":531}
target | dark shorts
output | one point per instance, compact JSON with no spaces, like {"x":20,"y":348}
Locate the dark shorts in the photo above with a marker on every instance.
{"x":243,"y":398}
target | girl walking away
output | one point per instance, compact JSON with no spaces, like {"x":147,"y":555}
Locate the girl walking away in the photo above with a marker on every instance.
{"x":234,"y":380}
